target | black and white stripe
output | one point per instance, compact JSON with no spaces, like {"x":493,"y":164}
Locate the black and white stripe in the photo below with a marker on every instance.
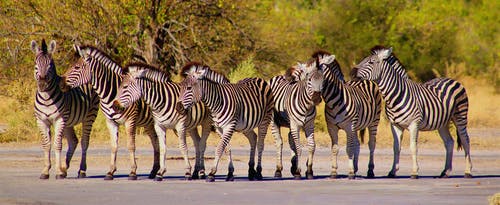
{"x":418,"y":107}
{"x":98,"y":69}
{"x":161,"y":95}
{"x":235,"y":107}
{"x":63,"y":110}
{"x":294,"y":107}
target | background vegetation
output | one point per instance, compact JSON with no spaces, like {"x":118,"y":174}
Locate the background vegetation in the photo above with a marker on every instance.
{"x":458,"y":39}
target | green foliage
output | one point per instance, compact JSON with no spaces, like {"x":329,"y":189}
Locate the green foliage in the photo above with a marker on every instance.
{"x":244,"y":70}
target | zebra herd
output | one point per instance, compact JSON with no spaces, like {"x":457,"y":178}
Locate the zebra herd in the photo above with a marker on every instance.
{"x":140,"y":95}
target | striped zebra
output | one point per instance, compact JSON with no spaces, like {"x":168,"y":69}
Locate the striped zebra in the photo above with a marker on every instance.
{"x":235,"y":107}
{"x":418,"y":107}
{"x":61,"y":110}
{"x":351,"y":106}
{"x":294,"y":107}
{"x":154,"y":86}
{"x":98,"y":69}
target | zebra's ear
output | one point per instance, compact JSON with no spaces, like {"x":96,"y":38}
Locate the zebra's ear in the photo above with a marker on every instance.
{"x":78,"y":50}
{"x":200,"y":73}
{"x":327,"y":59}
{"x":34,"y":46}
{"x":385,"y":53}
{"x":52,"y":46}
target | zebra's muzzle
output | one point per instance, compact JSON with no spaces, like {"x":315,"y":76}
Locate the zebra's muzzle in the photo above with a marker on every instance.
{"x":316,"y":98}
{"x":63,"y":86}
{"x":117,"y":107}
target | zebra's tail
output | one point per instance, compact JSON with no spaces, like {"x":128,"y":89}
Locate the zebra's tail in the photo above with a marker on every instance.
{"x":459,"y":141}
{"x":460,"y":115}
{"x":362,"y":135}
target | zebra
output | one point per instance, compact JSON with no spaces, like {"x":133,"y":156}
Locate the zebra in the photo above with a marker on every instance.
{"x":61,"y":110}
{"x":351,"y":106}
{"x":418,"y":107}
{"x":294,"y":107}
{"x":161,"y":95}
{"x":235,"y":107}
{"x":104,"y":74}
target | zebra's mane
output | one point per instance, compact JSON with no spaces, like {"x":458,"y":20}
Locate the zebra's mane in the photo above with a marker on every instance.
{"x":152,"y":73}
{"x":104,"y":59}
{"x":392,"y":60}
{"x":333,"y":68}
{"x":210,"y":74}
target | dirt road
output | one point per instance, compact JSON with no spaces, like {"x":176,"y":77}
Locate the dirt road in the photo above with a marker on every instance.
{"x":21,"y":166}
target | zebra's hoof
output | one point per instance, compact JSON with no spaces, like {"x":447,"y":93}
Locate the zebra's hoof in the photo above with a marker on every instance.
{"x":82,"y":174}
{"x":277,"y":174}
{"x":211,"y":178}
{"x":195,"y":175}
{"x":310,"y":175}
{"x":44,"y":176}
{"x":370,"y":174}
{"x":152,"y":175}
{"x":351,"y":176}
{"x":297,"y":177}
{"x":202,"y":175}
{"x":259,"y":176}
{"x":60,"y":176}
{"x":188,"y":177}
{"x":413,"y":176}
{"x":229,"y":178}
{"x":443,"y":175}
{"x":132,"y":177}
{"x":333,"y":176}
{"x":468,"y":175}
{"x":391,"y":175}
{"x":158,"y":178}
{"x":251,"y":174}
{"x":108,"y":177}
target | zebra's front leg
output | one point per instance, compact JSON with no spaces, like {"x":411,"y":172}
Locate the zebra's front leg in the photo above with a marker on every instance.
{"x":445,"y":135}
{"x":252,"y":139}
{"x":260,"y":148}
{"x":58,"y":132}
{"x":413,"y":128}
{"x":311,"y":145}
{"x":86,"y":128}
{"x":371,"y":145}
{"x":352,"y":149}
{"x":297,"y":149}
{"x":333,"y":131}
{"x":196,"y":142}
{"x":46,"y":145}
{"x":160,"y":132}
{"x":181,"y":136}
{"x":275,"y":130}
{"x":113,"y":131}
{"x":130,"y":127}
{"x":69,"y":134}
{"x":227,"y":133}
{"x":150,"y":130}
{"x":205,"y":132}
{"x":397,"y":134}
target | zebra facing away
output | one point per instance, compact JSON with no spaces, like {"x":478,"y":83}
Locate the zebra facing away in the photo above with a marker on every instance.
{"x":418,"y":107}
{"x":294,"y":107}
{"x":97,"y":68}
{"x":61,"y":110}
{"x":235,"y":107}
{"x":351,"y":106}
{"x":154,"y":86}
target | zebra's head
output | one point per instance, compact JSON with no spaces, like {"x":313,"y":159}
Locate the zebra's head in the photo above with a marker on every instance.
{"x":45,"y":70}
{"x":190,"y":92}
{"x":129,"y":91}
{"x":80,"y":72}
{"x":370,"y":68}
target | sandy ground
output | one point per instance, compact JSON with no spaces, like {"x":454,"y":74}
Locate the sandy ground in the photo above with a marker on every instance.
{"x":21,"y":166}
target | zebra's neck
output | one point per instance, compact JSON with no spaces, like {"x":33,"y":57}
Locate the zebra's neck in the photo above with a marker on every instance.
{"x":213,"y":96}
{"x":395,"y":86}
{"x":105,"y":80}
{"x":159,"y":95}
{"x":53,"y":90}
{"x":306,"y":95}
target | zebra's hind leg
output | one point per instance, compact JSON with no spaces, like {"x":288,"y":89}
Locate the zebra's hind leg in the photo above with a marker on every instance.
{"x":150,"y":130}
{"x":260,"y":148}
{"x":252,"y":139}
{"x":444,"y":132}
{"x":162,"y":150}
{"x":46,"y":145}
{"x":352,"y":149}
{"x":397,"y":134}
{"x":227,"y":133}
{"x":275,"y":130}
{"x":86,"y":128}
{"x":196,"y":142}
{"x":181,"y":137}
{"x":69,"y":134}
{"x":372,"y":132}
{"x":230,"y":167}
{"x":294,"y":137}
{"x":205,"y":132}
{"x":465,"y":144}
